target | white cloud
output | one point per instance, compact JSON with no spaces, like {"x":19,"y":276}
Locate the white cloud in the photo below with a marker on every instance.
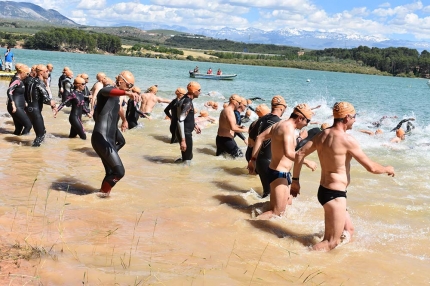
{"x":91,"y":4}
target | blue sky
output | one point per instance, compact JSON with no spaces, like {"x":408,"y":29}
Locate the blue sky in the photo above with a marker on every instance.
{"x":394,"y":19}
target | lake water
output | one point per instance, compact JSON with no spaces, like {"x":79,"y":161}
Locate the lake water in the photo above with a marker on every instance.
{"x":171,"y":225}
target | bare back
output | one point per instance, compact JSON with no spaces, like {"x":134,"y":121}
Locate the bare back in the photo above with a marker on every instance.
{"x":227,"y":120}
{"x":333,"y":147}
{"x":149,"y":100}
{"x":283,"y":145}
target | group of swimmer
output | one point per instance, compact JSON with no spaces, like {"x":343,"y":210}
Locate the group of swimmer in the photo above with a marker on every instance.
{"x":273,"y":149}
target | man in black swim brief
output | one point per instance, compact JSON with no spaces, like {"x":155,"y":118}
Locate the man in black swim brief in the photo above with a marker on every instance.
{"x":325,"y":195}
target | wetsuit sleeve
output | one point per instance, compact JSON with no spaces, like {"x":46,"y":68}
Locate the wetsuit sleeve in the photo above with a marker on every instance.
{"x":11,"y":89}
{"x":183,"y":111}
{"x":240,"y":135}
{"x":111,"y":91}
{"x":168,"y":108}
{"x":68,"y":99}
{"x":400,"y":124}
{"x":44,"y":93}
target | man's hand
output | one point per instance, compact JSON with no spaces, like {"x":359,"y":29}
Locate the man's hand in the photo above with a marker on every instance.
{"x":197,"y":128}
{"x":310,"y":164}
{"x":390,"y":171}
{"x":54,"y":107}
{"x":183,"y":145}
{"x":295,"y":188}
{"x":124,"y":126}
{"x":251,"y":167}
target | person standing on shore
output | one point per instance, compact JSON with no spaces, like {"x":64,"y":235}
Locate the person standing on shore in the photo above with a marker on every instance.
{"x":171,"y":113}
{"x":104,"y":137}
{"x":335,"y":150}
{"x":186,"y":122}
{"x":149,"y":100}
{"x":101,"y":82}
{"x":8,"y":59}
{"x":37,"y":95}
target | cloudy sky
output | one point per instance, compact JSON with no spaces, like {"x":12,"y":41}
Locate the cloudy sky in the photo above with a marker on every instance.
{"x":395,"y":19}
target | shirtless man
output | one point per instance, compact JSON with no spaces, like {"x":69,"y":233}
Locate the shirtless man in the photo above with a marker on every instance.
{"x":227,"y":128}
{"x":101,"y":78}
{"x":149,"y":100}
{"x":335,"y":150}
{"x":283,"y":146}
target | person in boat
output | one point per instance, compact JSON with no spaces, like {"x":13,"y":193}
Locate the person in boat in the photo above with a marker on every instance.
{"x":196,"y":69}
{"x":209,"y":71}
{"x":219,"y":72}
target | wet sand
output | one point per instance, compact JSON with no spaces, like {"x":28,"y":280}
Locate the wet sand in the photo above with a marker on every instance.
{"x":173,"y":225}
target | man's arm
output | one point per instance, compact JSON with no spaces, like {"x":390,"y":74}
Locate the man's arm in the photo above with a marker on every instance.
{"x":163,"y":100}
{"x":372,"y":167}
{"x":233,"y":124}
{"x":299,"y":159}
{"x":94,"y":91}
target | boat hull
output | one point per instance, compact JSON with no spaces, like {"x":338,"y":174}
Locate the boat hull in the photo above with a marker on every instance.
{"x":212,"y":76}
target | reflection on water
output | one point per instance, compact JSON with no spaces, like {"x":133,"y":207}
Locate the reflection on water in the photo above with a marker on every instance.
{"x":170,"y":224}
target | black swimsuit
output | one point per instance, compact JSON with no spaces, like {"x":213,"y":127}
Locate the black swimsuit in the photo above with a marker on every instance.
{"x":325,"y":195}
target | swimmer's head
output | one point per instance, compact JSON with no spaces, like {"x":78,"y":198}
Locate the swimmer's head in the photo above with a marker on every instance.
{"x":153,"y":89}
{"x":262,"y":110}
{"x":225,"y":104}
{"x":303,"y":110}
{"x":136,"y":90}
{"x":50,"y":67}
{"x":209,"y":103}
{"x":68,"y":73}
{"x":79,"y":81}
{"x":204,"y":113}
{"x":400,"y":133}
{"x":378,"y":131}
{"x":248,"y":101}
{"x":65,"y":69}
{"x":248,"y":113}
{"x":343,"y":109}
{"x":324,"y":126}
{"x":100,"y":76}
{"x":215,"y":105}
{"x":22,"y":68}
{"x":235,"y":98}
{"x":85,"y":76}
{"x":41,"y":70}
{"x":277,"y":101}
{"x":107,"y":81}
{"x":125,"y":80}
{"x":17,"y":66}
{"x":180,"y":92}
{"x":193,"y":88}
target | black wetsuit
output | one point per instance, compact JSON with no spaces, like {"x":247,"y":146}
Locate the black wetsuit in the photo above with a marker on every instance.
{"x":87,"y":100}
{"x":106,"y":138}
{"x":67,"y":85}
{"x":186,"y":123}
{"x":409,"y":126}
{"x":265,"y":155}
{"x":37,"y":95}
{"x":170,"y":111}
{"x":132,"y":114}
{"x":16,"y":93}
{"x":253,"y":132}
{"x":76,"y":99}
{"x":60,"y":80}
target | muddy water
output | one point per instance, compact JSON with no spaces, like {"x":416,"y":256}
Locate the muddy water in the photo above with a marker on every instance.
{"x":173,"y":225}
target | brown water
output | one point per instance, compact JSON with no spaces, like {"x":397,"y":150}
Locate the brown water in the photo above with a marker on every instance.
{"x":166,"y":224}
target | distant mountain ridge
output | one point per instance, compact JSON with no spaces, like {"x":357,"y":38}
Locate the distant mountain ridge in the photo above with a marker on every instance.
{"x":29,"y":11}
{"x":288,"y":36}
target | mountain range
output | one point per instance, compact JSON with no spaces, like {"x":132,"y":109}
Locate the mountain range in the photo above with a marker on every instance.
{"x":288,"y":37}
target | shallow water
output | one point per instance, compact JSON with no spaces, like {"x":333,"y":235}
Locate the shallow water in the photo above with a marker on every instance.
{"x":174,"y":225}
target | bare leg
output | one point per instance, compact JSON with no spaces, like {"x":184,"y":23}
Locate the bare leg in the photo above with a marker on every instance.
{"x":349,"y":227}
{"x":279,"y":198}
{"x":335,"y":222}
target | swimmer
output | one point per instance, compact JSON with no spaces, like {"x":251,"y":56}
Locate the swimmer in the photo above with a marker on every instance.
{"x":16,"y":101}
{"x":307,"y":135}
{"x":409,"y":126}
{"x":371,"y":133}
{"x":86,"y":91}
{"x":228,"y":127}
{"x":66,"y":85}
{"x":105,"y":134}
{"x":204,"y":119}
{"x":98,"y":85}
{"x":132,"y":114}
{"x":60,"y":80}
{"x":36,"y":96}
{"x":261,"y":110}
{"x":400,"y":136}
{"x":335,"y":150}
{"x":186,"y":121}
{"x":149,"y":100}
{"x":76,"y":99}
{"x":172,"y":113}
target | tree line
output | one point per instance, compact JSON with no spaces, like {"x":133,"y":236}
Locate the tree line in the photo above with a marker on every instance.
{"x":58,"y":39}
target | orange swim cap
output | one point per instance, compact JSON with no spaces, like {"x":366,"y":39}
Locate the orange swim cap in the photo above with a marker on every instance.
{"x":204,"y":113}
{"x":248,"y":101}
{"x":180,"y":91}
{"x":278,"y":100}
{"x":262,"y":110}
{"x":378,"y":131}
{"x":400,"y":133}
{"x":215,"y":105}
{"x":78,"y":80}
{"x":304,"y":110}
{"x":153,"y":89}
{"x":248,"y":113}
{"x":342,"y":109}
{"x":236,"y":98}
{"x":193,"y":86}
{"x":136,"y":89}
{"x":225,"y":105}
